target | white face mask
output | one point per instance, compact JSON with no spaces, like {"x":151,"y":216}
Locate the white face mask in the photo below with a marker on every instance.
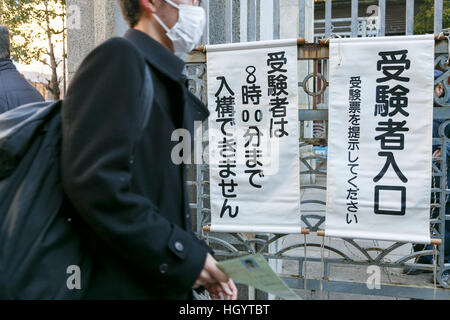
{"x":188,"y":31}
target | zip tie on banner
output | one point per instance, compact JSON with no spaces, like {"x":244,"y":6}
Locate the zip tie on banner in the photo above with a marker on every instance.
{"x":333,"y":35}
{"x":339,"y":49}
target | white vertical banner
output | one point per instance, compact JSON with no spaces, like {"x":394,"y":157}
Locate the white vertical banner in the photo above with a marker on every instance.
{"x":254,"y":137}
{"x":380,"y":138}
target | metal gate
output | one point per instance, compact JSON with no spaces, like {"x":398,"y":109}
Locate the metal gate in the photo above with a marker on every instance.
{"x":312,"y":255}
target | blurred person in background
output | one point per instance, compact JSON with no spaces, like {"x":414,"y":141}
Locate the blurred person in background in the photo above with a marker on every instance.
{"x":14,"y":89}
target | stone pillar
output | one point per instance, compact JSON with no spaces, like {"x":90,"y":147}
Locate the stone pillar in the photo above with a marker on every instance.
{"x":217,"y":20}
{"x":98,"y":21}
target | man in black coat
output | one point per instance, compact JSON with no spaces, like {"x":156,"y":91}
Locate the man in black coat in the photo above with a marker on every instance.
{"x":125,"y":195}
{"x":14,"y":89}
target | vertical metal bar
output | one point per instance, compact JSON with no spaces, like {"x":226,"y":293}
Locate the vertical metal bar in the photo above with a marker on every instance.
{"x":443,"y":197}
{"x":315,"y":82}
{"x":276,"y":19}
{"x":442,"y":205}
{"x":354,"y":18}
{"x":258,"y":19}
{"x":199,"y":189}
{"x":382,"y":17}
{"x":326,"y":74}
{"x":409,"y":17}
{"x":438,"y":6}
{"x":251,"y":24}
{"x":302,"y":19}
{"x":229,"y":21}
{"x":328,"y":19}
{"x":199,"y":182}
{"x":205,"y":5}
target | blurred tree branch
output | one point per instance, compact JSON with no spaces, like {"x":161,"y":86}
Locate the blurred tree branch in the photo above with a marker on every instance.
{"x":424,"y":19}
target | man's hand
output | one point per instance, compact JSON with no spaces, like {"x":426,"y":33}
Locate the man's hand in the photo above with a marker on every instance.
{"x":216,"y":293}
{"x":215,"y":281}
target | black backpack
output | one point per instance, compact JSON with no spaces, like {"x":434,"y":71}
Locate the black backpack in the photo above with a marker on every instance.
{"x":36,"y":241}
{"x":33,"y":237}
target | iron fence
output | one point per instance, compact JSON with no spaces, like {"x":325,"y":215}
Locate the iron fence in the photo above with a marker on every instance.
{"x":303,"y":250}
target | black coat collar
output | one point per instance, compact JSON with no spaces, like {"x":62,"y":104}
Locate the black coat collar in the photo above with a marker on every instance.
{"x":156,"y":54}
{"x":166,"y":62}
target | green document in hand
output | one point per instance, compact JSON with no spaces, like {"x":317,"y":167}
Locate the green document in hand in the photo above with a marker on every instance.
{"x":254,"y":271}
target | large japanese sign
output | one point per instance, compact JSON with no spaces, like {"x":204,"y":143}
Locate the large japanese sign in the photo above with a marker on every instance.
{"x":253,"y":137}
{"x":380,"y":138}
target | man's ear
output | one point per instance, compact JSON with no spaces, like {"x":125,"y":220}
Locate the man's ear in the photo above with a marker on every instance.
{"x":148,"y":6}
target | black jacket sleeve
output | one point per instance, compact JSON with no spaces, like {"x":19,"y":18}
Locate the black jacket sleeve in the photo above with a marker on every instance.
{"x":102,"y":116}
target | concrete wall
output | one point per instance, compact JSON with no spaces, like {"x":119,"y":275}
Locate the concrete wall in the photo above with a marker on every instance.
{"x":93,"y":21}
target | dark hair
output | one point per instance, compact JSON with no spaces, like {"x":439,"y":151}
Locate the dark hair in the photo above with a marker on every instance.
{"x":131,"y":11}
{"x":4,"y":43}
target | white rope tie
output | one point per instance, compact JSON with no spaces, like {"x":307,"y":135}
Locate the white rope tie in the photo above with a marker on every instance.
{"x":335,"y":35}
{"x":340,"y":51}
